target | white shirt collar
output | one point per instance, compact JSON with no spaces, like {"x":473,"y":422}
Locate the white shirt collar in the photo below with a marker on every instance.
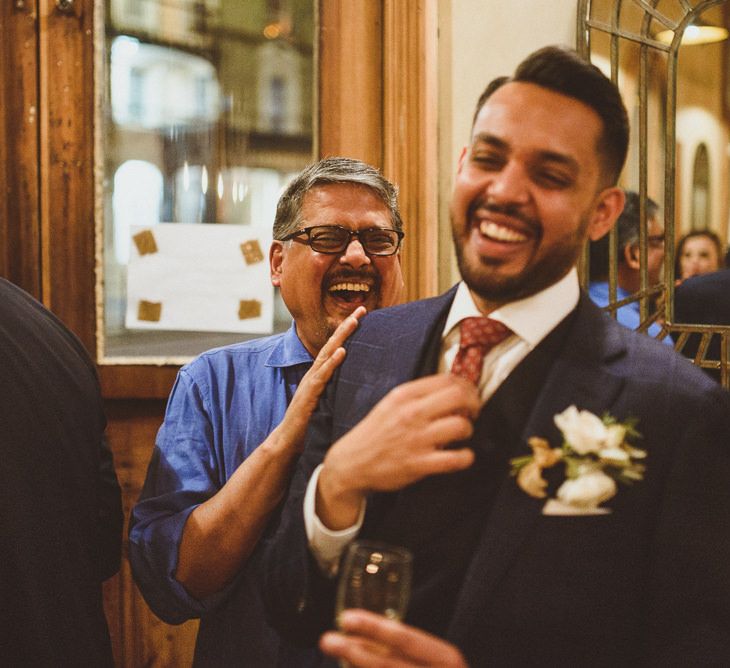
{"x":531,"y":318}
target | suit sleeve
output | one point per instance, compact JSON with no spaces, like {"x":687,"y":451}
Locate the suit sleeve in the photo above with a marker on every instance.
{"x":690,"y":578}
{"x":299,"y":600}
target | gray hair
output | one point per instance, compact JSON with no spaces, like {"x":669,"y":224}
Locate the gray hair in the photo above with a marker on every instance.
{"x":331,"y":171}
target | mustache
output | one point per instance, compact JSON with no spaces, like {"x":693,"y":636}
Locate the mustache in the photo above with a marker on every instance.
{"x":510,"y":210}
{"x":349,"y":275}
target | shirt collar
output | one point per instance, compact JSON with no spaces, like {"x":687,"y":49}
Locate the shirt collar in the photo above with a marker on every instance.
{"x":289,"y":350}
{"x":531,"y":318}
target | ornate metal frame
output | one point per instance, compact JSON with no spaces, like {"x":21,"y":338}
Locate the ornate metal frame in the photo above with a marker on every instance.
{"x":619,"y":33}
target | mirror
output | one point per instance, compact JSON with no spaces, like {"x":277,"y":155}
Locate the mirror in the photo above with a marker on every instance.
{"x":676,"y":85}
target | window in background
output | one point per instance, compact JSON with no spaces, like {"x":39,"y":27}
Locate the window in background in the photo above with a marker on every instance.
{"x":207,"y":116}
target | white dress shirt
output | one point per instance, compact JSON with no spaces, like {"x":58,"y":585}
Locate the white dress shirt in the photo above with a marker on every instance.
{"x":531,"y":319}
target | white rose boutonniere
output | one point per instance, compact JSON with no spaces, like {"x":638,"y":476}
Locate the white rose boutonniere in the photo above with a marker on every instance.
{"x":596,"y":453}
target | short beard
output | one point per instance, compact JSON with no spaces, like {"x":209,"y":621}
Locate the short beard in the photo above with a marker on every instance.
{"x":533,"y":279}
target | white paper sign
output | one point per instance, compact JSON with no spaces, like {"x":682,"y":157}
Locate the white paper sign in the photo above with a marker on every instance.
{"x":200,"y":277}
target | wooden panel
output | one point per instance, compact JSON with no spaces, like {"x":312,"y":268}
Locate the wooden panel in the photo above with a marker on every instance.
{"x":139,"y":638}
{"x":350,"y":83}
{"x":410,"y":133}
{"x":137,"y":382}
{"x":67,"y":175}
{"x":19,"y":227}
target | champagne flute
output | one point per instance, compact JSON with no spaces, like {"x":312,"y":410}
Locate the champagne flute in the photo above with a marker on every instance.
{"x":375,"y":576}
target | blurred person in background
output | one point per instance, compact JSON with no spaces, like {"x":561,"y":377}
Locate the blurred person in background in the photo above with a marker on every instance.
{"x":698,"y":252}
{"x":629,"y":262}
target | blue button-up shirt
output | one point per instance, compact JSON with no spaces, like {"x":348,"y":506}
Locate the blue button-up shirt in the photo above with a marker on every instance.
{"x":223,"y":406}
{"x":628,"y":315}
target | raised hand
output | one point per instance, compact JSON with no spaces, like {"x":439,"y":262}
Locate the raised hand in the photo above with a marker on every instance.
{"x":294,"y":425}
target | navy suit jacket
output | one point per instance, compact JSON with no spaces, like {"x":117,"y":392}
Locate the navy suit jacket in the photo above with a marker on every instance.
{"x":704,"y":300}
{"x":647,"y":583}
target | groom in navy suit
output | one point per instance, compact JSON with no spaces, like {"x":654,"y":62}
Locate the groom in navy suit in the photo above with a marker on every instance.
{"x":404,"y":452}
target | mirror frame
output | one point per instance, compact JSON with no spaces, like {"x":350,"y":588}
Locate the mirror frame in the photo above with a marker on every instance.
{"x":619,"y":34}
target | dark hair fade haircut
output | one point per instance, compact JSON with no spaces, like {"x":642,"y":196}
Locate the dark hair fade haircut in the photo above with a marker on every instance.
{"x":563,"y":71}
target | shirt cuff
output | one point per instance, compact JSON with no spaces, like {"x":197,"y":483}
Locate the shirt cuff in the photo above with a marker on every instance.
{"x":326,"y":545}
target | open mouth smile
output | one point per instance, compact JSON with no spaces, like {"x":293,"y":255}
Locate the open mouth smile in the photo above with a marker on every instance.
{"x":351,"y":292}
{"x":502,"y":233}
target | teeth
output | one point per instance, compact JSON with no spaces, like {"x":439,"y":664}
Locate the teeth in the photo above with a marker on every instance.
{"x":501,"y":233}
{"x":351,"y":287}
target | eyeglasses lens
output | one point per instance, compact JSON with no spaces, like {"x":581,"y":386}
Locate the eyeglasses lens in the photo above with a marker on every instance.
{"x":331,"y":239}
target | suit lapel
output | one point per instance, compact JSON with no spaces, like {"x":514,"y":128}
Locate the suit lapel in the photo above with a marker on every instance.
{"x":400,"y":349}
{"x":579,"y":375}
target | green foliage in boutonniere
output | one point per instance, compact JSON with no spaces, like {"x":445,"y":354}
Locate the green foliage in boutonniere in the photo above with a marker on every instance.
{"x":596,"y":453}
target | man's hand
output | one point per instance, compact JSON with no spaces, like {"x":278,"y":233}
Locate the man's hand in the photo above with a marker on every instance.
{"x":373,"y":641}
{"x":293,"y":427}
{"x":399,"y":442}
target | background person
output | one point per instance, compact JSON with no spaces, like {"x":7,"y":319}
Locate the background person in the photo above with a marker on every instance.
{"x":60,"y":503}
{"x":698,"y":252}
{"x":397,"y":454}
{"x":236,"y":418}
{"x":704,"y":300}
{"x":629,"y":262}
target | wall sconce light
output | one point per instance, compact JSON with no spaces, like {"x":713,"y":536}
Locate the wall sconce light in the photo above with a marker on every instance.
{"x":698,"y":32}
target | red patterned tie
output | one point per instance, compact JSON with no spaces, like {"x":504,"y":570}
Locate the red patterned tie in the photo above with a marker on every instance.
{"x":478,"y":337}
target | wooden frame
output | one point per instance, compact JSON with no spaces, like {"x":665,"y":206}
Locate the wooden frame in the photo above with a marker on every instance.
{"x":726,"y":68}
{"x":19,"y":169}
{"x":410,"y":134}
{"x":380,"y":107}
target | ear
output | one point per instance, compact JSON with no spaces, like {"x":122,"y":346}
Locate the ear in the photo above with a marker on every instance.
{"x":609,"y":205}
{"x":631,"y":256}
{"x":276,"y":259}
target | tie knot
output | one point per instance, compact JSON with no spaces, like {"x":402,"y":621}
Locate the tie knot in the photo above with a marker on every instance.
{"x":478,"y":336}
{"x":482,"y":332}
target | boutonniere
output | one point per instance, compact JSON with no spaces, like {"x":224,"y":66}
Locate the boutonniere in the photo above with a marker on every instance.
{"x":596,"y":453}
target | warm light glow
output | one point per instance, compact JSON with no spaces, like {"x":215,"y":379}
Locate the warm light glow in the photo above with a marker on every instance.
{"x":695,"y":34}
{"x":272,"y":31}
{"x":204,"y":180}
{"x":220,"y":185}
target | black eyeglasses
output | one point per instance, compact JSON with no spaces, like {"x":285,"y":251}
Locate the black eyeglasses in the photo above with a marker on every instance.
{"x":333,"y":239}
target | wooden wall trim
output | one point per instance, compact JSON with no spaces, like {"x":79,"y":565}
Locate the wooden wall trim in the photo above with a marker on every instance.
{"x":19,"y":230}
{"x":138,"y":382}
{"x":410,"y":136}
{"x":67,"y":164}
{"x":350,"y":81}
